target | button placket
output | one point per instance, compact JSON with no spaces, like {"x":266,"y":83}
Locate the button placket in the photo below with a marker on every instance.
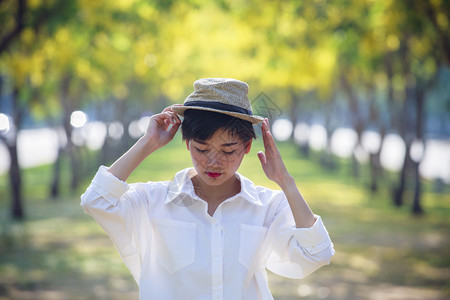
{"x":218,"y":294}
{"x":216,"y":259}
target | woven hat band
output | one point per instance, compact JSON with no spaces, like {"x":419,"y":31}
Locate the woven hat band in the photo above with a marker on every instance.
{"x":219,"y":106}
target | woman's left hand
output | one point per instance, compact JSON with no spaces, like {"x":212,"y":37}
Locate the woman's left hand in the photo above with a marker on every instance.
{"x":270,"y":159}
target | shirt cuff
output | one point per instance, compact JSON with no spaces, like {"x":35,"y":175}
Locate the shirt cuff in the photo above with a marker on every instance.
{"x":314,"y":239}
{"x":108,"y":186}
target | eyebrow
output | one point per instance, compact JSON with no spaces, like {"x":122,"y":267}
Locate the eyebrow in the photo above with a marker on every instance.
{"x":224,"y":145}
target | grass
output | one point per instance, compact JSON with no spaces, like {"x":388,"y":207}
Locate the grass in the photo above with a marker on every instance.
{"x":382,"y":252}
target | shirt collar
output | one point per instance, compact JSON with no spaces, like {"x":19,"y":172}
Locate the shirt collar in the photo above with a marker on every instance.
{"x":248,"y":191}
{"x":182,"y":189}
{"x":181,"y":185}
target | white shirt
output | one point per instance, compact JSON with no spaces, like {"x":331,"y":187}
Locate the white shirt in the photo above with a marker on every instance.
{"x":175,"y":250}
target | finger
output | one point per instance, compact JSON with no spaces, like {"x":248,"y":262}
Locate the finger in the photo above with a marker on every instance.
{"x":262,"y":158}
{"x":263,"y":126}
{"x":174,"y":129}
{"x":266,"y":124}
{"x":174,"y":116}
{"x":171,"y":116}
{"x":265,"y":140}
{"x":264,"y":131}
{"x":270,"y":139}
{"x":168,"y":108}
{"x":165,"y":120}
{"x":159,"y":119}
{"x":269,"y":142}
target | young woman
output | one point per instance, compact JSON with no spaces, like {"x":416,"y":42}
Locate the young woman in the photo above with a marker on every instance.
{"x":209,"y":233}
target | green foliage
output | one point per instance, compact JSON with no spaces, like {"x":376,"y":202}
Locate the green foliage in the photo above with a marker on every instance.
{"x":139,"y":50}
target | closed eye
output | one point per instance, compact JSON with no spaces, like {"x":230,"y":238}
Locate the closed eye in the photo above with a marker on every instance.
{"x":200,"y":150}
{"x":229,"y":152}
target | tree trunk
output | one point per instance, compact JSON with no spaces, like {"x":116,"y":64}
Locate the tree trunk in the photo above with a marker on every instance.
{"x":123,"y":117}
{"x":15,"y":173}
{"x":304,"y":147}
{"x":8,"y":38}
{"x":56,"y":179}
{"x":443,"y":39}
{"x":400,"y":189}
{"x":54,"y":189}
{"x":75,"y":168}
{"x":420,"y":98}
{"x":15,"y":179}
{"x":374,"y":172}
{"x":293,"y":112}
{"x":357,"y":119}
{"x":417,"y":206}
{"x":71,"y":148}
{"x":405,"y":120}
{"x":355,"y":164}
{"x":328,"y":160}
{"x":377,"y":122}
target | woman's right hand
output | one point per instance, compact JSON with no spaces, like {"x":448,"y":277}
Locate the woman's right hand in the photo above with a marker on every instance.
{"x":159,"y":130}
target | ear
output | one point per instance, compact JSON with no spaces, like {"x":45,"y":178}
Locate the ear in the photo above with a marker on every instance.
{"x":187,"y":145}
{"x":248,"y":146}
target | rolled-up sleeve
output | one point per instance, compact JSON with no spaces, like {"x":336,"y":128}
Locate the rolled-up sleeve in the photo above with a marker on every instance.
{"x":314,"y":239}
{"x":105,"y":201}
{"x":298,"y":252}
{"x":104,"y":186}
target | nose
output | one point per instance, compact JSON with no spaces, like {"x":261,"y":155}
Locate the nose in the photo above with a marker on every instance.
{"x":214,"y":159}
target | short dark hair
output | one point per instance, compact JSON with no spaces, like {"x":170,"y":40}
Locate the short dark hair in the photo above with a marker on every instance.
{"x":202,"y":124}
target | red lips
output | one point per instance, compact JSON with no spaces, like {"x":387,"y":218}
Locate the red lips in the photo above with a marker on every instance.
{"x":213,"y":174}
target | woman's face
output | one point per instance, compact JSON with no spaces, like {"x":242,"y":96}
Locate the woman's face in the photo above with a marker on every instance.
{"x":217,"y":159}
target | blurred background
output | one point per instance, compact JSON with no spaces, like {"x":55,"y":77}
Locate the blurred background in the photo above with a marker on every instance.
{"x":357,"y":92}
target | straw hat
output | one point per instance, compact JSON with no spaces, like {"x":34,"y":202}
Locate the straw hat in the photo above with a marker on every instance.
{"x":223,"y":95}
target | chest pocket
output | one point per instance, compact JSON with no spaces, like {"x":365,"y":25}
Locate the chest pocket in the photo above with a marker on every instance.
{"x":175,"y":243}
{"x":251,"y":240}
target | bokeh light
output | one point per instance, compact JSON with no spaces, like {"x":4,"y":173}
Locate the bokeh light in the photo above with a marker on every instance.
{"x":95,"y":134}
{"x":4,"y":123}
{"x":143,"y":124}
{"x":301,"y":133}
{"x":318,"y":137}
{"x":133,"y":129}
{"x":417,"y":150}
{"x":371,"y":141}
{"x":392,"y":152}
{"x":115,"y":130}
{"x":343,"y":141}
{"x":282,"y":129}
{"x":78,"y":119}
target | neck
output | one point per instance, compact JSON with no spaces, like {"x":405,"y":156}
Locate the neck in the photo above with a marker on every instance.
{"x":216,"y":193}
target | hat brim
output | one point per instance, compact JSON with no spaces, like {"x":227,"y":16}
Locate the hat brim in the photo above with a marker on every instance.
{"x":179,"y":110}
